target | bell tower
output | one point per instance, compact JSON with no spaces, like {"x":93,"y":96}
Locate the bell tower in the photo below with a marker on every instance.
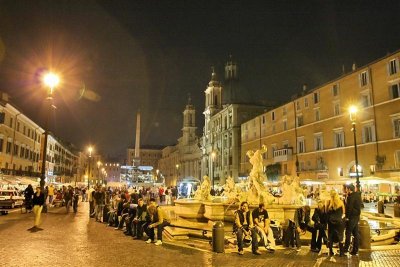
{"x":213,"y":103}
{"x":189,"y":123}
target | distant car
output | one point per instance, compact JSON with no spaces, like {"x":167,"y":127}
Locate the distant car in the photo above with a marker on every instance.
{"x":10,"y":198}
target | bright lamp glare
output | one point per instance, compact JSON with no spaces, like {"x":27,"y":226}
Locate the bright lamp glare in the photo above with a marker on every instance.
{"x":353,"y":109}
{"x":51,"y":80}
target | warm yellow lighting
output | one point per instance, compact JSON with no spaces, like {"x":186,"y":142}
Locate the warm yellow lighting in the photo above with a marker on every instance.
{"x":98,"y":163}
{"x":353,"y":111}
{"x":51,"y":80}
{"x":213,"y":155}
{"x":90,"y":149}
{"x":177,"y":166}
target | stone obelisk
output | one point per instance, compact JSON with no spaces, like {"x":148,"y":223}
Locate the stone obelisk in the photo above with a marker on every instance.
{"x":136,"y":159}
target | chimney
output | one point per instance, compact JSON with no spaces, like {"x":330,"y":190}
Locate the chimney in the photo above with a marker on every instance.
{"x":353,"y":67}
{"x":343,"y":70}
{"x":304,"y":89}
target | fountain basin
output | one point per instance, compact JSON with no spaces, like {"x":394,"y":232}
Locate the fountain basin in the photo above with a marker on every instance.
{"x":219,"y":211}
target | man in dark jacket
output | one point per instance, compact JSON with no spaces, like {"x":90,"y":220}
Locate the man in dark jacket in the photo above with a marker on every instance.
{"x":140,"y":220}
{"x":353,"y":211}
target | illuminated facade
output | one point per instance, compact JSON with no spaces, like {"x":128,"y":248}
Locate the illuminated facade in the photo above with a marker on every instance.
{"x":19,"y":141}
{"x":182,"y":160}
{"x":311,"y":134}
{"x":221,"y":142}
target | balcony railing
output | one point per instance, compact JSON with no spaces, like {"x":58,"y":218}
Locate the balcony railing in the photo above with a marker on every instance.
{"x":281,"y":155}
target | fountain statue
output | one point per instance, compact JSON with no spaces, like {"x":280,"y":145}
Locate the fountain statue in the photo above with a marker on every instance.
{"x":292,"y":193}
{"x":231,"y":192}
{"x":257,"y":192}
{"x":203,"y":192}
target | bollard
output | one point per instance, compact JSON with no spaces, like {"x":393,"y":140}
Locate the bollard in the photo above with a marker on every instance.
{"x":218,"y":237}
{"x":365,"y":234}
{"x":381,"y":207}
{"x":396,"y":208}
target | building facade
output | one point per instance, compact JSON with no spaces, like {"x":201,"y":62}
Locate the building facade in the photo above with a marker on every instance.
{"x":312,"y":134}
{"x":148,"y":156}
{"x":182,"y":160}
{"x":20,"y":140}
{"x":221,"y":140}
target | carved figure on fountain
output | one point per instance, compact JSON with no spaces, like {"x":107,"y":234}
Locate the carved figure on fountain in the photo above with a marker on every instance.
{"x":203,"y":192}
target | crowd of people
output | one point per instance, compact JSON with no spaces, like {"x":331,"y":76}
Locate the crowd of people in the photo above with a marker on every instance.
{"x":333,"y":221}
{"x":127,"y":211}
{"x":136,"y":212}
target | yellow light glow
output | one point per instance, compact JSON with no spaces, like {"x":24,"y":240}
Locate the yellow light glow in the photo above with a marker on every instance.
{"x":353,"y":109}
{"x":213,"y":155}
{"x":51,"y":80}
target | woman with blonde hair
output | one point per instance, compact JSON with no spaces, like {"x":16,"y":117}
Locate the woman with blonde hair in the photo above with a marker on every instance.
{"x":336,"y":213}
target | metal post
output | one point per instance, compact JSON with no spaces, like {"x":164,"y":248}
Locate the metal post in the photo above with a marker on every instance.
{"x":356,"y":155}
{"x":46,"y":135}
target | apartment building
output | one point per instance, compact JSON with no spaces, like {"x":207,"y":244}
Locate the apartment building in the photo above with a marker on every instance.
{"x":312,"y":134}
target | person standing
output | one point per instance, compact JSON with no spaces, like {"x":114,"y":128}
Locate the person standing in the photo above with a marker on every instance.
{"x":262,"y":225}
{"x":68,"y":195}
{"x":91,"y":201}
{"x":320,"y":224}
{"x":28,"y":193}
{"x":38,"y":202}
{"x":51,"y":194}
{"x":353,"y":211}
{"x":336,"y":212}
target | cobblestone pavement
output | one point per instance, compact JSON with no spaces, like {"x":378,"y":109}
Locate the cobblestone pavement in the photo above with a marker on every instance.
{"x":74,"y":240}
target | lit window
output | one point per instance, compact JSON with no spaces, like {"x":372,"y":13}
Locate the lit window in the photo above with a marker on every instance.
{"x":316,"y":97}
{"x":318,"y":142}
{"x":393,"y":66}
{"x":336,"y":109}
{"x":396,"y":127}
{"x":317,"y":114}
{"x":301,"y":145}
{"x":363,"y":78}
{"x":394,"y":91}
{"x":368,"y":133}
{"x":339,"y":138}
{"x":335,"y":89}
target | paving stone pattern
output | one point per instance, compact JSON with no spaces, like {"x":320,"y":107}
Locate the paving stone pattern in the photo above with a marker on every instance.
{"x":75,"y":240}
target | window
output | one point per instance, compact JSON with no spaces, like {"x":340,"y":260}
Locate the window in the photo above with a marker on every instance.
{"x":273,"y":149}
{"x":393,"y":65}
{"x":301,"y":145}
{"x":297,"y":105}
{"x":299,"y":120}
{"x":368,"y":133}
{"x":363,"y":78}
{"x":306,"y":102}
{"x":318,"y":142}
{"x":8,"y":148}
{"x":335,"y":90}
{"x":273,"y":115}
{"x":316,"y":97}
{"x":317,"y":115}
{"x":365,"y":99}
{"x":285,"y":144}
{"x":339,"y":138}
{"x":396,"y":127}
{"x":22,"y":152}
{"x":11,"y":122}
{"x":263,"y":119}
{"x":285,"y":125}
{"x":18,"y":126}
{"x":284,"y":111}
{"x":336,"y":109}
{"x":397,"y":158}
{"x":1,"y":144}
{"x":394,"y":91}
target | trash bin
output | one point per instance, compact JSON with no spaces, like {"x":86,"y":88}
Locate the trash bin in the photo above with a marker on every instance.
{"x":365,"y":234}
{"x":381,"y":207}
{"x":396,"y":208}
{"x":218,"y":237}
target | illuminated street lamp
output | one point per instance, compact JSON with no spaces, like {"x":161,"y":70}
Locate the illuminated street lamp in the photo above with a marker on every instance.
{"x":353,"y":113}
{"x":90,"y":150}
{"x":50,"y":80}
{"x":213,"y":156}
{"x":98,"y":167}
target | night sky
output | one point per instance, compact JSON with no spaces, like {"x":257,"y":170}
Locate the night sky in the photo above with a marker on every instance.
{"x":116,"y":57}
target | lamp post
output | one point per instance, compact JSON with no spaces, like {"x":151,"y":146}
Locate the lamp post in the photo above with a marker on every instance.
{"x":90,"y":149}
{"x":50,"y":80}
{"x":353,"y":112}
{"x":177,"y":173}
{"x":103,"y":172}
{"x":98,"y":172}
{"x":213,"y":155}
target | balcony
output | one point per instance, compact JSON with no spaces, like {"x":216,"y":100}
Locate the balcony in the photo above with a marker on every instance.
{"x":281,"y":155}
